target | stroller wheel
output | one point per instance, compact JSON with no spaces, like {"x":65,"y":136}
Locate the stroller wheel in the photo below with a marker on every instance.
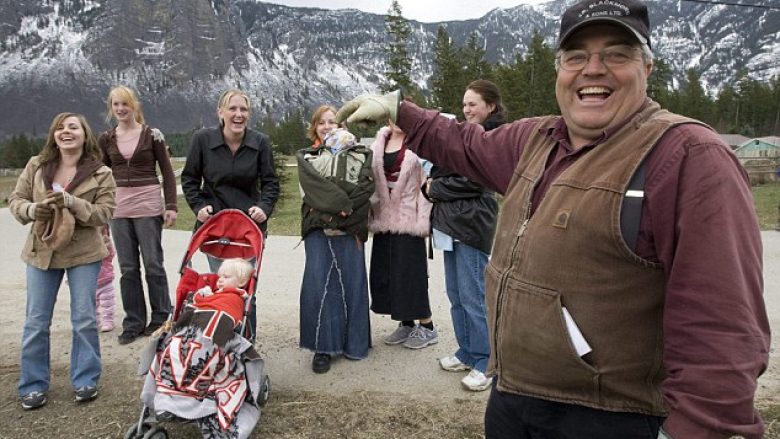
{"x":265,"y":391}
{"x":156,"y":432}
{"x":134,"y":433}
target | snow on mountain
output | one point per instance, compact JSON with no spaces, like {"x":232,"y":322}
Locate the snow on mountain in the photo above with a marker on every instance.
{"x":64,"y":55}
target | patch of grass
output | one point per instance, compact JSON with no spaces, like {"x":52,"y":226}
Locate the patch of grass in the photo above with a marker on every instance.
{"x":286,"y":219}
{"x":7,"y":185}
{"x":767,"y":201}
{"x":770,"y":413}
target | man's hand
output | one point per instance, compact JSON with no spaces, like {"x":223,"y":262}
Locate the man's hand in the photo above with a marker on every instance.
{"x":371,"y":108}
{"x":169,"y":218}
{"x":257,"y":214}
{"x":205,"y":213}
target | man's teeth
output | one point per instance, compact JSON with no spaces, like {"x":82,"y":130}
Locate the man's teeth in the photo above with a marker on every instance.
{"x":594,"y":91}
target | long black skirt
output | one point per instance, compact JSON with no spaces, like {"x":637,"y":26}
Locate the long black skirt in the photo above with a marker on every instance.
{"x":398,"y":277}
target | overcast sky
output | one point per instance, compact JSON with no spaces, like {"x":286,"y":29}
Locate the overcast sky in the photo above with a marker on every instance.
{"x":428,"y":11}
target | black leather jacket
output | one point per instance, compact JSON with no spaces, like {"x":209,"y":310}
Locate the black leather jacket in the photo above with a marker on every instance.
{"x":461,"y":208}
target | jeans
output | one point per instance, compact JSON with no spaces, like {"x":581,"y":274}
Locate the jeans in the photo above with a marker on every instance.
{"x":464,"y":275}
{"x":42,"y":288}
{"x":510,"y":416}
{"x":130,"y":236}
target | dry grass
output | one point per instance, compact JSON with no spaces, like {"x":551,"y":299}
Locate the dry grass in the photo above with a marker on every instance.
{"x":288,"y":414}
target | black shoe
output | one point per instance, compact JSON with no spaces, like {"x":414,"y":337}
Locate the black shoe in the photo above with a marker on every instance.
{"x":127,"y":337}
{"x":151,"y":328}
{"x":86,"y":393}
{"x":320,"y":363}
{"x":33,"y":400}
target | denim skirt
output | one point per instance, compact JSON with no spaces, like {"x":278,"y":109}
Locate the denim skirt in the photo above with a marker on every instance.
{"x":334,"y":296}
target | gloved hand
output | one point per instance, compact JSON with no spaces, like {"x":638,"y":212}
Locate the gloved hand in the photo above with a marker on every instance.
{"x":42,"y":212}
{"x":371,"y":108}
{"x":61,"y":199}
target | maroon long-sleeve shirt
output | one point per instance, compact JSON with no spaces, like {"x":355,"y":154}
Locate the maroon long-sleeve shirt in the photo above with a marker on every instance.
{"x":697,"y":220}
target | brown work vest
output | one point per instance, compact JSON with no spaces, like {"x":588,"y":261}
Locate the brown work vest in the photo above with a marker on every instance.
{"x":571,"y":254}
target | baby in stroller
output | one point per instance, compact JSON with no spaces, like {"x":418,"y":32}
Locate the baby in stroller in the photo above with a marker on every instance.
{"x":202,"y":369}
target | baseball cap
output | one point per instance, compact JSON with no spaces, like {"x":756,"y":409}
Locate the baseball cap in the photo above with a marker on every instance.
{"x":630,"y":14}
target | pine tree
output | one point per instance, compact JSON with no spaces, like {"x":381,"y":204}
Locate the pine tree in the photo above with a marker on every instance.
{"x":474,"y":64}
{"x":539,"y":64}
{"x":693,"y":100}
{"x":659,"y":82}
{"x":399,"y":63}
{"x":447,"y":84}
{"x":18,"y":150}
{"x":528,"y":84}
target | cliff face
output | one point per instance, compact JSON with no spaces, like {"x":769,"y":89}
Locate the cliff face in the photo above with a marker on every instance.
{"x":65,"y":55}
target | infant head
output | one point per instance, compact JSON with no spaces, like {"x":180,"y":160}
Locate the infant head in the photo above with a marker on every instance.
{"x":339,"y":139}
{"x":234,"y":273}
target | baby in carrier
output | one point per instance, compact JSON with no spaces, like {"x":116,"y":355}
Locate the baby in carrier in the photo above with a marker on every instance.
{"x":202,"y":368}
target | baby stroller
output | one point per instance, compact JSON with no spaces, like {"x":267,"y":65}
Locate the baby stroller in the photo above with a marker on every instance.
{"x":221,"y":386}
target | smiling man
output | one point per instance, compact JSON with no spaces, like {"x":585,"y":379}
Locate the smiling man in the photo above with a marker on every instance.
{"x":624,"y":294}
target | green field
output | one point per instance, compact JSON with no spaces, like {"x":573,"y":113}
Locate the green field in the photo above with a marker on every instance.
{"x":767,"y":199}
{"x":286,"y":219}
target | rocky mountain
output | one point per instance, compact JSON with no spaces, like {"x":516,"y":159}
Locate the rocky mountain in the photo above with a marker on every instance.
{"x":64,"y":55}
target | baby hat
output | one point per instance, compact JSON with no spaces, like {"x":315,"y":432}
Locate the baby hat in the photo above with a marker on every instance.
{"x":339,"y":139}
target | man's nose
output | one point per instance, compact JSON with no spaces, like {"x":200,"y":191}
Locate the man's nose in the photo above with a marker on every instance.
{"x":595,"y":64}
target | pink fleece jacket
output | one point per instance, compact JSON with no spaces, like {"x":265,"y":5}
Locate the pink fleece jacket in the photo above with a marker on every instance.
{"x":404,"y":210}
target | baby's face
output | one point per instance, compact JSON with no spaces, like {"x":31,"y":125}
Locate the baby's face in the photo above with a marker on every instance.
{"x":227,"y":279}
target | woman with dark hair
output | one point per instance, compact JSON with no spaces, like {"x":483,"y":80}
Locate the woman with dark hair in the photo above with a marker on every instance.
{"x":68,"y":195}
{"x":231,"y":166}
{"x":463,"y":225}
{"x":133,"y":151}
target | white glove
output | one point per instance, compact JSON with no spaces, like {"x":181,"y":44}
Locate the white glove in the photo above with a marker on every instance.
{"x":371,"y":108}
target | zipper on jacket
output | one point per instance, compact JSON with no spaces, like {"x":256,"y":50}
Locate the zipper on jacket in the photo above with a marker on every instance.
{"x":505,"y":275}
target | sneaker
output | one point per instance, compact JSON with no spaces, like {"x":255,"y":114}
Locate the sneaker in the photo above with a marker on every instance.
{"x":421,"y":337}
{"x":400,"y":334}
{"x":320,"y":363}
{"x":86,"y":393}
{"x":476,"y":381}
{"x":33,"y":400}
{"x":452,"y":364}
{"x":127,"y":337}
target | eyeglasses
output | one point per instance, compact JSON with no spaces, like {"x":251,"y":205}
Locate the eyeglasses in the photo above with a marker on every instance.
{"x":613,"y":56}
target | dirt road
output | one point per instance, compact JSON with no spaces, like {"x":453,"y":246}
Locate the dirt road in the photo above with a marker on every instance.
{"x":396,"y":392}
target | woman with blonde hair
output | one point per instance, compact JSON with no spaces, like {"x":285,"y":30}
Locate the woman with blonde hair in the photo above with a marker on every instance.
{"x":323,"y":121}
{"x":67,"y":194}
{"x":133,"y":150}
{"x":231,"y":166}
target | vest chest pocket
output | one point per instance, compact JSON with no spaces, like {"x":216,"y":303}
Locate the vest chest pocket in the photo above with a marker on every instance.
{"x":534,"y":348}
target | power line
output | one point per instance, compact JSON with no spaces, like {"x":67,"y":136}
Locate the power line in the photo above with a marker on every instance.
{"x":747,"y":5}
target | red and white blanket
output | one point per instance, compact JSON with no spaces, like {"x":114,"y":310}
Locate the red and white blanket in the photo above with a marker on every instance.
{"x":203,"y":371}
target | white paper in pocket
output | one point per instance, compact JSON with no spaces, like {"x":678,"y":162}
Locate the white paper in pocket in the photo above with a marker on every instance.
{"x":578,"y":340}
